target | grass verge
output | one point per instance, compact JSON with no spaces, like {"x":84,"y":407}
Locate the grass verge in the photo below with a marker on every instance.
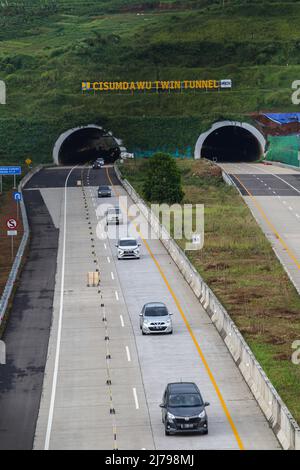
{"x":8,"y":209}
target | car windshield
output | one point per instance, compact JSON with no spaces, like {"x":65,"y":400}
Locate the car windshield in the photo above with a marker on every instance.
{"x":104,"y":188}
{"x":127,"y":242}
{"x":156,"y":312}
{"x":184,"y":400}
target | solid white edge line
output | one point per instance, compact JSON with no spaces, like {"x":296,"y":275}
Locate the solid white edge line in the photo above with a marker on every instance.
{"x":58,"y":341}
{"x":137,"y":406}
{"x":128,"y":353}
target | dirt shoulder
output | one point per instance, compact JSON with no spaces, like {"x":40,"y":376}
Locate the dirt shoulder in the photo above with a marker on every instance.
{"x":8,"y":209}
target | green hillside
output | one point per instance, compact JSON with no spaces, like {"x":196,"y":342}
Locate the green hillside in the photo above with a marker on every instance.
{"x":48,"y":47}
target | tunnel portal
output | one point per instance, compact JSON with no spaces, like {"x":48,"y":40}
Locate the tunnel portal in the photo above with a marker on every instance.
{"x":82,"y":145}
{"x":230,"y":142}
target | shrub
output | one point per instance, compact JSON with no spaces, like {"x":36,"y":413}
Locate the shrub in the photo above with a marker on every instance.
{"x":163,"y":180}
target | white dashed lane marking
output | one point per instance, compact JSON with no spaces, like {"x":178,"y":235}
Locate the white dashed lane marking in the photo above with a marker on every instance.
{"x":137,"y":406}
{"x":128,"y":354}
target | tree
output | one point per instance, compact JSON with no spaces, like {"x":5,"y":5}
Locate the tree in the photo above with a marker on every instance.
{"x":163,"y":180}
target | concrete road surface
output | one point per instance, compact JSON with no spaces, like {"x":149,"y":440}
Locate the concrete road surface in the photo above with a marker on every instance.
{"x":273,"y":194}
{"x":104,"y":380}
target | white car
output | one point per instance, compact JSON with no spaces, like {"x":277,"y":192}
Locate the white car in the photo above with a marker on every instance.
{"x":114,"y":216}
{"x":155,"y":318}
{"x":128,"y":248}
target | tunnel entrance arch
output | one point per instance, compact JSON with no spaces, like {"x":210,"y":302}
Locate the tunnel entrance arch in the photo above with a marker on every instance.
{"x":85,"y":143}
{"x":230,"y":141}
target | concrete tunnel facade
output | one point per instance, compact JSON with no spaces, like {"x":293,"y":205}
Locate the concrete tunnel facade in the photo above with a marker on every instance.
{"x":224,"y":141}
{"x":85,"y":143}
{"x":230,"y":141}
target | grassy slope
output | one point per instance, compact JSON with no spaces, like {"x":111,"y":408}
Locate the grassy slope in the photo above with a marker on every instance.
{"x":44,"y":55}
{"x":239,"y":265}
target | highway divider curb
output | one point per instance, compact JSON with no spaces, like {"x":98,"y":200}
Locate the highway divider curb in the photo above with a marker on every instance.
{"x":18,"y":258}
{"x":279,"y":417}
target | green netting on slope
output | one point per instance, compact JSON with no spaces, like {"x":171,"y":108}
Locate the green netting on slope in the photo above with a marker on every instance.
{"x":284,"y":149}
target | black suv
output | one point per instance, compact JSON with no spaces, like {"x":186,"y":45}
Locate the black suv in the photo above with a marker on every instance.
{"x":183,"y":409}
{"x":104,"y":191}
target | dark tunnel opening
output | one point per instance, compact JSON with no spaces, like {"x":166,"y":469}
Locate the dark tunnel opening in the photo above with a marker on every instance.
{"x":231,"y":144}
{"x":87,"y":144}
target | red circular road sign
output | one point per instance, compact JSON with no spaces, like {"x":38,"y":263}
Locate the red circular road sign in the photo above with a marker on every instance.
{"x":11,"y":224}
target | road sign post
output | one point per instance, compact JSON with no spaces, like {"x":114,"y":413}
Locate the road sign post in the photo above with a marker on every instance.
{"x":10,"y":171}
{"x":17,"y":197}
{"x":12,"y":224}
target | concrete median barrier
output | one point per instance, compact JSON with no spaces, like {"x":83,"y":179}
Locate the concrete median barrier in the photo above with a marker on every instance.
{"x":279,"y":418}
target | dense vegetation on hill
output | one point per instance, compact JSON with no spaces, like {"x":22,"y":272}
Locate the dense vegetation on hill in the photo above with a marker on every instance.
{"x":47,"y":47}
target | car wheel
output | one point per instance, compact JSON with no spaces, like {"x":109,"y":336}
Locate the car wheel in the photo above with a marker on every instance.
{"x":171,"y":332}
{"x":205,"y":431}
{"x":167,"y":433}
{"x":143,"y":333}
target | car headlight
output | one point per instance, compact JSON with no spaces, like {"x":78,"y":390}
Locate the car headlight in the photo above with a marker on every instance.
{"x":170,"y":417}
{"x":202,"y":414}
{"x":120,"y":251}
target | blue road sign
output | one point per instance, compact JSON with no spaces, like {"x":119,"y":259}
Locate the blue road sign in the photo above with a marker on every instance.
{"x":17,"y":196}
{"x":10,"y":170}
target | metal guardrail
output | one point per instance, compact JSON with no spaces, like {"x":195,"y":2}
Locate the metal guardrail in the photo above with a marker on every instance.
{"x":228,"y":180}
{"x":18,"y":258}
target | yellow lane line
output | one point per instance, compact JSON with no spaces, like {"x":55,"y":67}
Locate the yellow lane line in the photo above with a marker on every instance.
{"x":269,"y":223}
{"x":209,"y":372}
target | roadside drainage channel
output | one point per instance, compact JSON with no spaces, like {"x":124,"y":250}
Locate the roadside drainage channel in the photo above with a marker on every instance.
{"x":279,"y":417}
